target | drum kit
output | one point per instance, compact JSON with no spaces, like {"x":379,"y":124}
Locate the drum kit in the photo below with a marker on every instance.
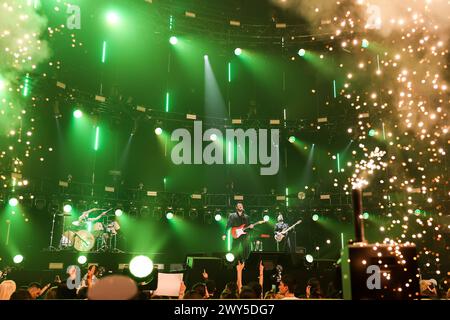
{"x":83,"y":237}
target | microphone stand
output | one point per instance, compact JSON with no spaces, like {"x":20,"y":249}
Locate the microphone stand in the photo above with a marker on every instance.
{"x":51,"y":247}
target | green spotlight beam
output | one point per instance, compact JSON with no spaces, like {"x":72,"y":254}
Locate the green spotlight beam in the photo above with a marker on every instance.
{"x":229,"y":152}
{"x":104,"y":52}
{"x":229,"y":72}
{"x":26,"y":87}
{"x":338,"y":163}
{"x":167,"y":101}
{"x":334,"y":89}
{"x":97,"y":137}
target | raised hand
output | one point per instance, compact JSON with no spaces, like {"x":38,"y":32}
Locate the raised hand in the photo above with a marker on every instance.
{"x":205,"y":274}
{"x":182,"y":290}
{"x":240,"y":266}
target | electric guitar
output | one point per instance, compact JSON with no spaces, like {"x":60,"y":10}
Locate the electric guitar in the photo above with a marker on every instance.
{"x":237,"y":232}
{"x":280,"y":235}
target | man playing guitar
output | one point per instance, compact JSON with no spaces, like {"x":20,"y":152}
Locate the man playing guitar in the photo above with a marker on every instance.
{"x":241,"y":243}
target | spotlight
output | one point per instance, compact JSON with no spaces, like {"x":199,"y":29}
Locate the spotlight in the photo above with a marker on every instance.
{"x":118,"y":212}
{"x":238,"y":51}
{"x":205,"y":57}
{"x":2,"y":85}
{"x":207,"y":217}
{"x":315,"y":217}
{"x":173,"y":40}
{"x":309,"y":258}
{"x":372,"y":132}
{"x":301,"y":52}
{"x":141,"y":266}
{"x":18,"y":258}
{"x":218,"y":217}
{"x":67,"y":208}
{"x":193,"y":214}
{"x":291,"y":139}
{"x":230,"y":257}
{"x":13,"y":202}
{"x":82,"y":259}
{"x":112,"y":18}
{"x":365,"y":43}
{"x":78,"y":113}
{"x":365,"y":215}
{"x":266,"y":218}
{"x":213,"y":137}
{"x":169,"y":215}
{"x":158,"y":131}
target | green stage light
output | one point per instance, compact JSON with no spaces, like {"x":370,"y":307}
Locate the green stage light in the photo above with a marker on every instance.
{"x":13,"y":202}
{"x":82,"y":259}
{"x":218,"y":217}
{"x":301,"y":52}
{"x":266,"y":218}
{"x":18,"y":258}
{"x":169,"y":215}
{"x":315,"y":217}
{"x":366,"y":215}
{"x":67,"y":208}
{"x":205,"y":57}
{"x":158,"y":131}
{"x":112,"y":18}
{"x":141,"y":266}
{"x":118,"y":212}
{"x":238,"y":51}
{"x":292,"y":139}
{"x":78,"y":113}
{"x":173,"y":40}
{"x":230,"y":257}
{"x":372,"y":132}
{"x":309,"y":258}
{"x":365,"y":43}
{"x":2,"y":85}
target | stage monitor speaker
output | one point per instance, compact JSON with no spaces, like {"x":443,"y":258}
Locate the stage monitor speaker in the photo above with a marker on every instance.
{"x":380,"y":271}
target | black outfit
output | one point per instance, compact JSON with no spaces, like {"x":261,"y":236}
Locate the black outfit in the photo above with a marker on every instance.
{"x":241,"y":246}
{"x":285,"y":244}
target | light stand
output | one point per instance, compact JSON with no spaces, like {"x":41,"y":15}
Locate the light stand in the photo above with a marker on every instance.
{"x":51,"y":247}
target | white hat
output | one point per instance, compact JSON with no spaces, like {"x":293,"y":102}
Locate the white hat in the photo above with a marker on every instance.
{"x":433,"y":281}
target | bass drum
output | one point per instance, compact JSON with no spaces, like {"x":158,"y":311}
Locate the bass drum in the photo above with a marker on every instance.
{"x":67,"y":239}
{"x":113,"y":227}
{"x":84,"y":241}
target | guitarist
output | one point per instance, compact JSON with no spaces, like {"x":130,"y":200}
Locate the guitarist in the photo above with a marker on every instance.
{"x":240,"y":246}
{"x":285,"y":244}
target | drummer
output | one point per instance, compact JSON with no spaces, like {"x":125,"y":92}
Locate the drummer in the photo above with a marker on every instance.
{"x":84,"y":218}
